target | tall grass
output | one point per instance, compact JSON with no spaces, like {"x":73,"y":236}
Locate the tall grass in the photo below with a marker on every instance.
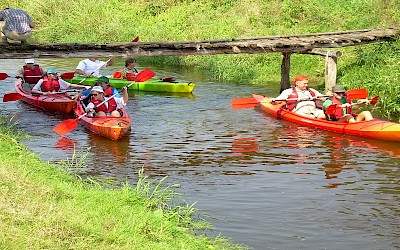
{"x":104,"y":21}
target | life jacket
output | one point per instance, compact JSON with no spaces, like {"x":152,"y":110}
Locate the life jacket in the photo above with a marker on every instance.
{"x":112,"y":105}
{"x":339,"y":111}
{"x":291,"y":104}
{"x":29,"y":73}
{"x":50,"y":84}
{"x":117,"y":74}
{"x":130,"y":76}
{"x":109,"y":91}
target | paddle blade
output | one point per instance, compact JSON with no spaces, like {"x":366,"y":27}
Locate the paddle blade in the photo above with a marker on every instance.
{"x":168,"y":79}
{"x":244,"y":101}
{"x":66,"y":126}
{"x":331,"y":109}
{"x":135,"y":39}
{"x":144,"y":75}
{"x":374,"y":100}
{"x":10,"y":97}
{"x":357,"y":93}
{"x":3,"y":76}
{"x":68,"y":75}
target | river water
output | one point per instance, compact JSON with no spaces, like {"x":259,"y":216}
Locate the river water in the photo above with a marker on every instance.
{"x":264,"y":183}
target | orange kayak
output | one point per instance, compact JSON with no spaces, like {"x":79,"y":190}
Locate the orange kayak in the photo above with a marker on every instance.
{"x":60,"y":102}
{"x":113,"y":128}
{"x":375,"y":129}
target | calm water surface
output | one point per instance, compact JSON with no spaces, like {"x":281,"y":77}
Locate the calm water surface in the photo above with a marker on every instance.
{"x":265,"y":183}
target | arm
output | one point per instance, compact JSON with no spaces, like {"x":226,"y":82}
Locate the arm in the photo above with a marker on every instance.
{"x":110,"y":62}
{"x":37,"y":87}
{"x":125,"y":94}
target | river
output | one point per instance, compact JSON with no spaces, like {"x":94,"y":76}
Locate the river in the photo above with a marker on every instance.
{"x":262,"y":182}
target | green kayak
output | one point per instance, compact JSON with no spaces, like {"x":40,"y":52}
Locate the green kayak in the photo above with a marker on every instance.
{"x":152,"y":85}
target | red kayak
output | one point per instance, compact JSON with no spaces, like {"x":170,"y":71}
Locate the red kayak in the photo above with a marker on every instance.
{"x":113,"y":128}
{"x":375,"y":129}
{"x":60,"y":102}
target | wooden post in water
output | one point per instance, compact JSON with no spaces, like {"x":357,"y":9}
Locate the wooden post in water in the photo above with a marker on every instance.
{"x":285,"y":71}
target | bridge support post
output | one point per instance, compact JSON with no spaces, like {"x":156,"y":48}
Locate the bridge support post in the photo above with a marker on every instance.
{"x":331,"y":70}
{"x":285,"y":71}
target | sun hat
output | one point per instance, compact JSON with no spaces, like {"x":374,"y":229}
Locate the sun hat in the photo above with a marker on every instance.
{"x":51,"y":71}
{"x":30,"y":60}
{"x":103,"y":79}
{"x":338,"y":89}
{"x":98,"y":89}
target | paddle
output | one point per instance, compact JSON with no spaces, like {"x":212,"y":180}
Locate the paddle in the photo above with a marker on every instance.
{"x":332,"y":108}
{"x":67,"y":75}
{"x":10,"y":97}
{"x":68,"y":125}
{"x":4,"y":76}
{"x":135,"y":39}
{"x":241,"y":103}
{"x":81,"y":81}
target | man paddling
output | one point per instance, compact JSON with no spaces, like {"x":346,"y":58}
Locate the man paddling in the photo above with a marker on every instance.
{"x":304,"y":98}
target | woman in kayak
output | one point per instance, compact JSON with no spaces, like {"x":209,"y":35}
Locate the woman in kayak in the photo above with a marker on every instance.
{"x":50,"y":83}
{"x":343,"y":110}
{"x":101,"y":106}
{"x":302,"y":98}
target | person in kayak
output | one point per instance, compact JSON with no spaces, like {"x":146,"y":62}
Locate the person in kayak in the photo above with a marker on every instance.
{"x":103,"y":82}
{"x":91,"y":66}
{"x":304,"y":98}
{"x":129,"y":72}
{"x":50,"y":83}
{"x":30,"y":72}
{"x":111,"y":106}
{"x":343,"y":112}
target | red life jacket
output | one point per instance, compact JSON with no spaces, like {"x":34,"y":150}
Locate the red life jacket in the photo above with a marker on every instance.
{"x":50,"y":84}
{"x":339,"y":111}
{"x":290,"y":105}
{"x":108,"y":91}
{"x":28,"y":73}
{"x":112,"y":105}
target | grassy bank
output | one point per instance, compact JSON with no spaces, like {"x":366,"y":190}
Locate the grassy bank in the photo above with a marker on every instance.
{"x":43,"y":206}
{"x":175,"y":20}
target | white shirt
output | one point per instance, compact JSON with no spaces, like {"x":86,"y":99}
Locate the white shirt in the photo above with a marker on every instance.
{"x":88,"y":66}
{"x":63,"y":85}
{"x":303,"y":107}
{"x":120,"y":104}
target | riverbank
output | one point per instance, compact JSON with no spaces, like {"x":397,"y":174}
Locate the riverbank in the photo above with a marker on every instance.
{"x":45,"y":206}
{"x":373,"y":66}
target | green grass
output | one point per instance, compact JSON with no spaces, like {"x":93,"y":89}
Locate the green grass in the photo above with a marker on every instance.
{"x":46,"y":206}
{"x":104,"y":21}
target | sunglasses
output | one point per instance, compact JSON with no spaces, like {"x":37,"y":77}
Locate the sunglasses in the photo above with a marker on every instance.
{"x":95,"y":94}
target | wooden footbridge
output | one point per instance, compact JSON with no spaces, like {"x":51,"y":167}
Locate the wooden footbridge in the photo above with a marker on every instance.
{"x":313,"y":44}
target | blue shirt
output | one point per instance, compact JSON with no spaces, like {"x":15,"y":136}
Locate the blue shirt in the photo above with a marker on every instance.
{"x":115,"y":92}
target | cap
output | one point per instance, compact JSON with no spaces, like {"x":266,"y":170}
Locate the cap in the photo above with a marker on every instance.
{"x":338,"y":89}
{"x":29,"y":61}
{"x":51,"y":71}
{"x":98,"y":89}
{"x":103,"y":79}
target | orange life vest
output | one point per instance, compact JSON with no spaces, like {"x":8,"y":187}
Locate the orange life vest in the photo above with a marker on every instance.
{"x":50,"y":84}
{"x":32,"y":75}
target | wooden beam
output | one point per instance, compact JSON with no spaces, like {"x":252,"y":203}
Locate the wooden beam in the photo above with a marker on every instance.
{"x":305,"y":44}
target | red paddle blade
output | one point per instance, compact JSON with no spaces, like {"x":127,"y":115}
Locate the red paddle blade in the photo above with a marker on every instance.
{"x":167,"y":79}
{"x":66,"y":126}
{"x":10,"y":97}
{"x":68,"y":75}
{"x":244,"y":101}
{"x":357,"y":93}
{"x":374,"y":100}
{"x":3,"y":76}
{"x":135,"y":39}
{"x":331,"y":109}
{"x":144,"y":75}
